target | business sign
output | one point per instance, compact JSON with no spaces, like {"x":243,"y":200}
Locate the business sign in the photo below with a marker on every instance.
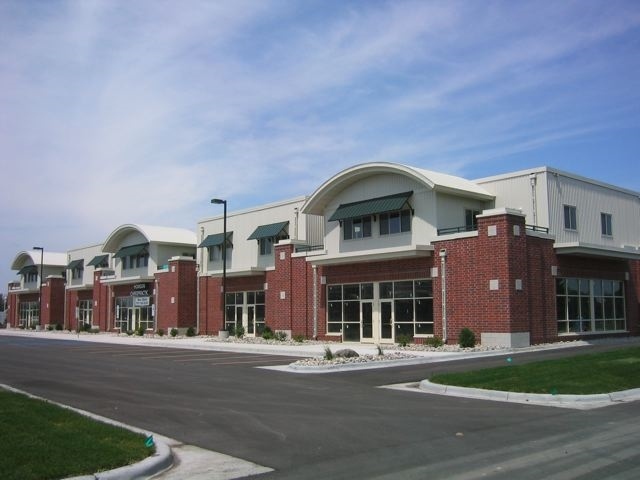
{"x":141,"y":301}
{"x":140,"y":290}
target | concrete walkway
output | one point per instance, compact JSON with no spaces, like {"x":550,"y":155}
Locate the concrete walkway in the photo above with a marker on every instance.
{"x":178,"y":461}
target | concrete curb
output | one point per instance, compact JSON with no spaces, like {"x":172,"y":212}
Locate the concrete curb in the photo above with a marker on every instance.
{"x":160,"y":461}
{"x":579,"y":402}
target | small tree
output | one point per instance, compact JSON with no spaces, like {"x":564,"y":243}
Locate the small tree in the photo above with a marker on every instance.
{"x":466,"y":339}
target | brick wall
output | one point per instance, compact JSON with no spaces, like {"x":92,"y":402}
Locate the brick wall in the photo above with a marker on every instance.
{"x":176,"y":295}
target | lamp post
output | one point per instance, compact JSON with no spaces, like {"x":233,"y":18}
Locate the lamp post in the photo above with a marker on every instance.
{"x":219,"y":201}
{"x":41,"y":279}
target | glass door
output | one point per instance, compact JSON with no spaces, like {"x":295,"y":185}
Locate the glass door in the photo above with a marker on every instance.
{"x":386,"y":321}
{"x":366,"y":310}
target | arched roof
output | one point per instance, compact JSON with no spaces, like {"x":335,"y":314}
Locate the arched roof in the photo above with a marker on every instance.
{"x":153,"y":234}
{"x":440,"y":182}
{"x":32,"y":257}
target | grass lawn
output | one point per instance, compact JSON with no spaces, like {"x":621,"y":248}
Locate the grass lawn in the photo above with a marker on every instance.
{"x":581,"y":375}
{"x":41,"y":441}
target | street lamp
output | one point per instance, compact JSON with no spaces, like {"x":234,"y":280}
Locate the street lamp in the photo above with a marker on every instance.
{"x":218,"y":201}
{"x":41,"y":279}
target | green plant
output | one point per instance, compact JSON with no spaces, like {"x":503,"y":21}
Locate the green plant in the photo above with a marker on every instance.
{"x":280,"y":336}
{"x":191,"y":332}
{"x":298,"y":338}
{"x":328,"y":354}
{"x":139,"y":331}
{"x":161,"y":332}
{"x":49,"y":327}
{"x":58,"y":326}
{"x":380,"y":352}
{"x":267,"y":333}
{"x":174,"y":332}
{"x":434,"y":342}
{"x":129,"y":332}
{"x":239,"y":331}
{"x":466,"y":339}
{"x":403,"y":340}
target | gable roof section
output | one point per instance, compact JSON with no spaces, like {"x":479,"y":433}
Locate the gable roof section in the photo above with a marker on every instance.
{"x":439,"y":182}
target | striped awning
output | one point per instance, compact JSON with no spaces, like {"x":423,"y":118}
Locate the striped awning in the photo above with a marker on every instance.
{"x":372,"y":206}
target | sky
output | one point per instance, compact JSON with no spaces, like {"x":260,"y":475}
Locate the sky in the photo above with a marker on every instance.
{"x":116,"y":112}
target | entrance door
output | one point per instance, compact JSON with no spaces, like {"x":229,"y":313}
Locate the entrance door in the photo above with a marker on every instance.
{"x":366,"y":310}
{"x":386,"y":321}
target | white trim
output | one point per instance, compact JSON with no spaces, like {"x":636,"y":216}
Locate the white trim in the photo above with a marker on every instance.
{"x":373,"y":255}
{"x":581,"y":248}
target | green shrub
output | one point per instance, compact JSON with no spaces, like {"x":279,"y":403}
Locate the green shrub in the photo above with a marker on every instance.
{"x":280,"y":336}
{"x":328,"y":354}
{"x":49,"y":327}
{"x":434,"y":342}
{"x":298,"y":338}
{"x":58,"y":326}
{"x":191,"y":332}
{"x":140,"y":331}
{"x":380,"y":352}
{"x":239,"y":331}
{"x":267,"y":333}
{"x":161,"y":332}
{"x":466,"y":339}
{"x":129,"y":332}
{"x":403,"y":340}
{"x":174,"y":332}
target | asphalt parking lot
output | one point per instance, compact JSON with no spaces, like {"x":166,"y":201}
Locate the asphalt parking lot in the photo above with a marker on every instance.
{"x":337,"y":425}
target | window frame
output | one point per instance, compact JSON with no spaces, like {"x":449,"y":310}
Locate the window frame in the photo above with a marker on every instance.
{"x":349,"y":227}
{"x":570,"y":216}
{"x":403,"y":222}
{"x":606,"y":224}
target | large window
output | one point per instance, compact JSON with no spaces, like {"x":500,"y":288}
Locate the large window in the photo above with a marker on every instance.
{"x":470,"y":221}
{"x":135,"y":261}
{"x":344,"y":308}
{"x":590,"y":305}
{"x":354,"y":228}
{"x":606,"y":224}
{"x":130,"y":317}
{"x":215,"y":253}
{"x":29,"y":313}
{"x":266,"y":245}
{"x":570,"y":217}
{"x":85,"y":312}
{"x":411,"y":302}
{"x":395,"y":222}
{"x":246,"y":309}
{"x":412,"y":306}
{"x":77,"y":273}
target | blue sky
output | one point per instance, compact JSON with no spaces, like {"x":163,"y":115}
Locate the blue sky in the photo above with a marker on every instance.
{"x":140,"y":112}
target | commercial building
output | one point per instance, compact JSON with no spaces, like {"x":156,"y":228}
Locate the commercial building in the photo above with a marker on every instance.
{"x":377,"y":253}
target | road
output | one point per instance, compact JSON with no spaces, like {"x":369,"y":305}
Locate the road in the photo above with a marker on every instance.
{"x":335,"y":426}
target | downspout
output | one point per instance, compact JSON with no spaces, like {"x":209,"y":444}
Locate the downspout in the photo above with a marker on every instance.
{"x":198,"y":266}
{"x":443,"y":276}
{"x":534,"y":203}
{"x":315,"y":302}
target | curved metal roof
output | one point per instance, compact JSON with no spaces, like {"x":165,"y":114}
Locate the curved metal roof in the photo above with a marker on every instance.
{"x":441,"y":182}
{"x":153,"y":234}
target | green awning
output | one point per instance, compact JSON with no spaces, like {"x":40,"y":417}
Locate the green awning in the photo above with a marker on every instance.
{"x":267,"y":231}
{"x":73,"y":264}
{"x":28,"y":269}
{"x":372,"y":206}
{"x":99,"y":260}
{"x":214,"y":240}
{"x":132,"y":250}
